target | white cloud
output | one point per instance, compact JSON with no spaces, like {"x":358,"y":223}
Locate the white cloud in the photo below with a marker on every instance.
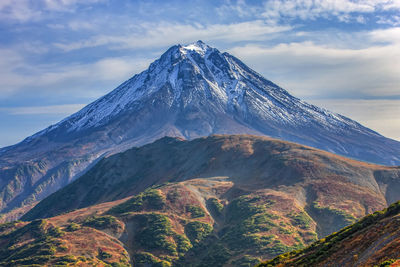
{"x":379,"y":115}
{"x":343,"y":10}
{"x":312,"y":9}
{"x":390,"y":35}
{"x":65,"y":5}
{"x":20,"y":10}
{"x":119,"y":68}
{"x":310,"y":70}
{"x":56,"y":78}
{"x":77,"y":25}
{"x":10,"y":79}
{"x":51,"y":109}
{"x":361,"y":19}
{"x":164,"y":34}
{"x":276,"y":11}
{"x":389,"y":4}
{"x":33,"y":10}
{"x":391,"y":20}
{"x":240,"y":7}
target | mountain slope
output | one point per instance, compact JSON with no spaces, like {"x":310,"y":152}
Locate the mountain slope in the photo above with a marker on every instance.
{"x":217,"y":201}
{"x":51,"y":243}
{"x":332,"y":189}
{"x":372,"y":241}
{"x":190,"y":91}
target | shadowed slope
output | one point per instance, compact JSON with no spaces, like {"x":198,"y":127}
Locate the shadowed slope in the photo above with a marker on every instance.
{"x":372,"y":241}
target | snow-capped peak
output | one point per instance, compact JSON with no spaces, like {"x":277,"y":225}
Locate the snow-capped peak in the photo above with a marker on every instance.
{"x":199,"y":47}
{"x":201,"y":74}
{"x":198,"y":81}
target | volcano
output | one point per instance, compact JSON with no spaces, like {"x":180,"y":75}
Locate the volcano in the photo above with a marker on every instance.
{"x":189,"y":92}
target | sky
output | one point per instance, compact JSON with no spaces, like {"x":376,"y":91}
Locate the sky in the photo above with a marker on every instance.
{"x":56,"y":56}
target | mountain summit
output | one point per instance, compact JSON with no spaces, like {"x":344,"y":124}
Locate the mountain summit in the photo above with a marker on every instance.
{"x":195,"y":90}
{"x":190,"y":91}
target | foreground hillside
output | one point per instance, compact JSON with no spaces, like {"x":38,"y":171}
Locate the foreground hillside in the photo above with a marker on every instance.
{"x":222,"y":200}
{"x":372,"y":241}
{"x":191,"y":223}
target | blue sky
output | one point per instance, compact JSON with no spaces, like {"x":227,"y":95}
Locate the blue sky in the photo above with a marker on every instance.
{"x":58,"y":55}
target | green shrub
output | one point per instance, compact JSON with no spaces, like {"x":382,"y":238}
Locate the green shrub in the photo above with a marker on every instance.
{"x":154,"y":233}
{"x":197,"y":231}
{"x":7,"y":226}
{"x":285,"y":231}
{"x":301,"y":220}
{"x":143,"y":259}
{"x":245,"y":207}
{"x":150,"y":199}
{"x":173,"y":195}
{"x":328,"y":211}
{"x":40,"y":249}
{"x":215,"y":205}
{"x":72,"y":227}
{"x":246,"y":261}
{"x":55,"y":231}
{"x":183,"y":244}
{"x":277,"y":248}
{"x":248,"y":216}
{"x":101,"y":222}
{"x":217,"y":255}
{"x":103,"y":255}
{"x":65,"y":260}
{"x":386,"y":263}
{"x":120,"y":264}
{"x":195,"y":211}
